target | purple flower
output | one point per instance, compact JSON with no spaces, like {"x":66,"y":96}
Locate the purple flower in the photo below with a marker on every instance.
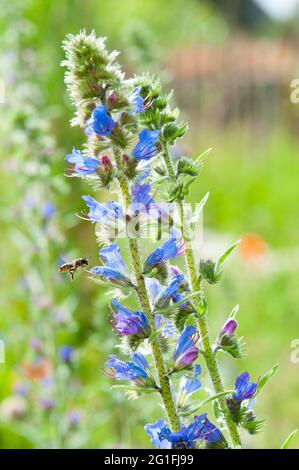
{"x":115,"y":270}
{"x":169,"y":249}
{"x":228,"y":328}
{"x":200,"y":429}
{"x":102,"y":212}
{"x":186,"y":350}
{"x":66,"y":353}
{"x":146,"y":148}
{"x":130,"y":323}
{"x":74,"y":418}
{"x":82,"y":165}
{"x":36,"y":344}
{"x":244,"y":389}
{"x":136,"y":101}
{"x":100,"y":123}
{"x":47,"y":404}
{"x":137,"y":370}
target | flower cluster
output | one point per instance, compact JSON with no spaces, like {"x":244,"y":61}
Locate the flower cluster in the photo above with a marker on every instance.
{"x":129,"y":123}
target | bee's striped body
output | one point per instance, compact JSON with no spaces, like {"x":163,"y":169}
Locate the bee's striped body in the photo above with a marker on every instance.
{"x":73,"y":266}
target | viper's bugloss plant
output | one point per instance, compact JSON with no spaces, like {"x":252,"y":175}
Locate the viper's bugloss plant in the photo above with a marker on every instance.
{"x":130,"y":129}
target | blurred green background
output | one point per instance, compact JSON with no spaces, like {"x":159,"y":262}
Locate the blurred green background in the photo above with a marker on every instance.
{"x":231,"y":64}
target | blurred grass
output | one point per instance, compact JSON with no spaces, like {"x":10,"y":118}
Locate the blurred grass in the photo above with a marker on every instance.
{"x":253,"y":180}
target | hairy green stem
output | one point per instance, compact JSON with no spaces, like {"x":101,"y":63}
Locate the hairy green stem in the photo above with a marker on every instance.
{"x":164,"y":383}
{"x":200,"y":304}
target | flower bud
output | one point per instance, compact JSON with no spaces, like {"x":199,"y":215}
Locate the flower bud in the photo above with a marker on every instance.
{"x":229,"y":327}
{"x":105,"y":170}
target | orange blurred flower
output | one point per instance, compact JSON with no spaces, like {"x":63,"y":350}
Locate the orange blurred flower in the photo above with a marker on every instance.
{"x":37,"y":370}
{"x":252,"y":246}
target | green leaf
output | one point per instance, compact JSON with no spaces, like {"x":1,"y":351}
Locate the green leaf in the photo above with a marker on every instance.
{"x":174,"y":308}
{"x":234,"y":311}
{"x":135,"y":389}
{"x":289,"y":439}
{"x":226,"y":254}
{"x":265,"y":378}
{"x":203,"y":155}
{"x":153,"y":337}
{"x":208,"y":400}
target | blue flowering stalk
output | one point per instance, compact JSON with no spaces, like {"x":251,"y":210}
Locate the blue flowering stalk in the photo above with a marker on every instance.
{"x":129,"y":123}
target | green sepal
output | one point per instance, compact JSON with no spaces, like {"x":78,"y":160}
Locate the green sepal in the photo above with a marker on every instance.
{"x":171,"y":132}
{"x":208,"y":271}
{"x":120,"y":138}
{"x":233,"y":346}
{"x":251,"y":423}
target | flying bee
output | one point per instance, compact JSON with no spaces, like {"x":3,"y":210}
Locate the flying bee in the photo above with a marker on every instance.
{"x":73,"y":266}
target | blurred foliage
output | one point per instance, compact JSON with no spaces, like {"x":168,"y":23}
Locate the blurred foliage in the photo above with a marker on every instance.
{"x":253,"y":182}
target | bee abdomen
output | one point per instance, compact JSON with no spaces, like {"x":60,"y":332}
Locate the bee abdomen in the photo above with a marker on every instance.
{"x":66,"y":267}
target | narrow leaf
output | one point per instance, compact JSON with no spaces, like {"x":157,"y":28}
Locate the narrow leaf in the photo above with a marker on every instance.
{"x":234,"y":311}
{"x":208,"y":400}
{"x":154,"y":335}
{"x":135,"y":389}
{"x":289,"y":439}
{"x":265,"y":378}
{"x":227,"y":253}
{"x":203,"y":155}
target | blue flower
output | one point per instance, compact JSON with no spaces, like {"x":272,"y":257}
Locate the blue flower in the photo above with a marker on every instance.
{"x":154,"y":431}
{"x":141,"y":195}
{"x":169,"y":249}
{"x":146,"y":148}
{"x":159,"y":295}
{"x":244,"y":389}
{"x":102,"y":212}
{"x":143,"y":173}
{"x":100,"y":123}
{"x":130,"y":323}
{"x":48,"y":210}
{"x":137,"y":370}
{"x":184,"y":286}
{"x":137,"y":101}
{"x":167,"y":328}
{"x":82,"y":165}
{"x":185,"y":306}
{"x":115,"y":270}
{"x":200,"y":429}
{"x":186,"y":350}
{"x":189,"y":386}
{"x":142,"y":202}
{"x":168,"y":292}
{"x":66,"y":353}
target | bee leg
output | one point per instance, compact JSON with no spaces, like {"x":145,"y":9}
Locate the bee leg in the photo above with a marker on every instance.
{"x":72,"y":272}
